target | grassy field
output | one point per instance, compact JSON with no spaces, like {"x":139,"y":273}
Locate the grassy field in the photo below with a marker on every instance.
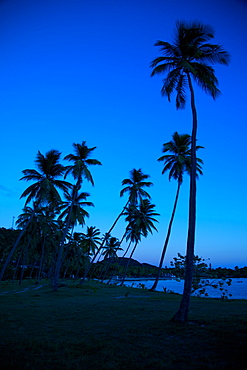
{"x":95,"y":326}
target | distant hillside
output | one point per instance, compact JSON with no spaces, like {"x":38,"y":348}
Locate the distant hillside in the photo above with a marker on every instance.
{"x":122,"y":261}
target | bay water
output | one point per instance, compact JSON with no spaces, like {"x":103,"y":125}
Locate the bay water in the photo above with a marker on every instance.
{"x":238,"y":287}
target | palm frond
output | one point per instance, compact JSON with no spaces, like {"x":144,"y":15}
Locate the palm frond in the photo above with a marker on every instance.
{"x":190,"y":49}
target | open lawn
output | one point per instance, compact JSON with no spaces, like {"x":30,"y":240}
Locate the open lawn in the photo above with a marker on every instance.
{"x":96,"y":326}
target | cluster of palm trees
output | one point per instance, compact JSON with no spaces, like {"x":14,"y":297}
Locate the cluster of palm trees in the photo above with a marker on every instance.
{"x":47,"y":228}
{"x":189,"y":58}
{"x":58,"y":206}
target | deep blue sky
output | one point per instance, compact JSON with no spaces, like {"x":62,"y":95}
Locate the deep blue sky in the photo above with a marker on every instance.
{"x":75,"y":70}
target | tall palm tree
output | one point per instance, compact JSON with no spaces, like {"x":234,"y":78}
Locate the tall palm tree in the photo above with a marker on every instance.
{"x":141,"y":223}
{"x":177,"y":163}
{"x":81,"y":161}
{"x":44,"y":191}
{"x":190,"y":56}
{"x":79,"y":170}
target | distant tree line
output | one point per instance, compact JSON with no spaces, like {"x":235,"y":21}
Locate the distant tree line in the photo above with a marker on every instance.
{"x":77,"y":260}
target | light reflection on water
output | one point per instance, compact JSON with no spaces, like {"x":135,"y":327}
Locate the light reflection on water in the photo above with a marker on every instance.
{"x":238,"y":288}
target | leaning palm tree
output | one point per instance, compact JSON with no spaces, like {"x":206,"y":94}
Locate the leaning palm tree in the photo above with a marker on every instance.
{"x":190,"y":56}
{"x":177,"y":163}
{"x":140,"y":223}
{"x":44,"y":191}
{"x":134,"y":188}
{"x":111,"y":248}
{"x":135,"y":185}
{"x":79,"y":170}
{"x":81,"y":161}
{"x":76,"y":211}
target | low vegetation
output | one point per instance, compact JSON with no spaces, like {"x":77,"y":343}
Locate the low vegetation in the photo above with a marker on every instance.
{"x":99,"y":326}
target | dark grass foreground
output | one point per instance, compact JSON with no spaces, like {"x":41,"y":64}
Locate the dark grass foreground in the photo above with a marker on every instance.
{"x":96,"y":326}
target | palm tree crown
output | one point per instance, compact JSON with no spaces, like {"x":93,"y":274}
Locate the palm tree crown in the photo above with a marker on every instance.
{"x":111,"y":248}
{"x":190,"y":54}
{"x":81,"y":162}
{"x":74,"y":206}
{"x":140,"y":220}
{"x":179,"y":161}
{"x":135,"y":185}
{"x":44,"y":190}
{"x":91,"y":238}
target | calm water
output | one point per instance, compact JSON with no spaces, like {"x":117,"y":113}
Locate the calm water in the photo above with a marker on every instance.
{"x":238,"y":288}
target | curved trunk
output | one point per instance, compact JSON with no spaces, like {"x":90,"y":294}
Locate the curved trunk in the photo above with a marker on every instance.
{"x":114,"y":224}
{"x":16,"y":244}
{"x":182,"y":314}
{"x":127,"y":266}
{"x":127,"y":249}
{"x":167,"y":239}
{"x":102,"y":244}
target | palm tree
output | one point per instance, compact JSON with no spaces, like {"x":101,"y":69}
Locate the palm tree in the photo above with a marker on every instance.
{"x":79,"y":170}
{"x":111,"y":248}
{"x":81,"y":161}
{"x":76,"y":211}
{"x":141,"y":223}
{"x":82,"y":255}
{"x":48,"y":227}
{"x":190,"y":56}
{"x":91,"y":239}
{"x":177,"y":163}
{"x":45,"y":189}
{"x":135,"y":185}
{"x":134,"y":188}
{"x":30,"y":237}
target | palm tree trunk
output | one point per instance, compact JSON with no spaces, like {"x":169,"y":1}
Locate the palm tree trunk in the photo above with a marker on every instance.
{"x":182,"y":314}
{"x":103,"y":242}
{"x":66,"y":269}
{"x":15,"y":245}
{"x":34,"y":264}
{"x":167,"y":239}
{"x":41,"y":259}
{"x":112,"y":259}
{"x":24,"y":260}
{"x":127,"y":266}
{"x":87,"y":269}
{"x":118,"y":217}
{"x":17,"y":266}
{"x":127,"y":249}
{"x":65,"y":232}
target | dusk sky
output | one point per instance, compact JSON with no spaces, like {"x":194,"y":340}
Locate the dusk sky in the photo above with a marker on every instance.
{"x":79,"y":70}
